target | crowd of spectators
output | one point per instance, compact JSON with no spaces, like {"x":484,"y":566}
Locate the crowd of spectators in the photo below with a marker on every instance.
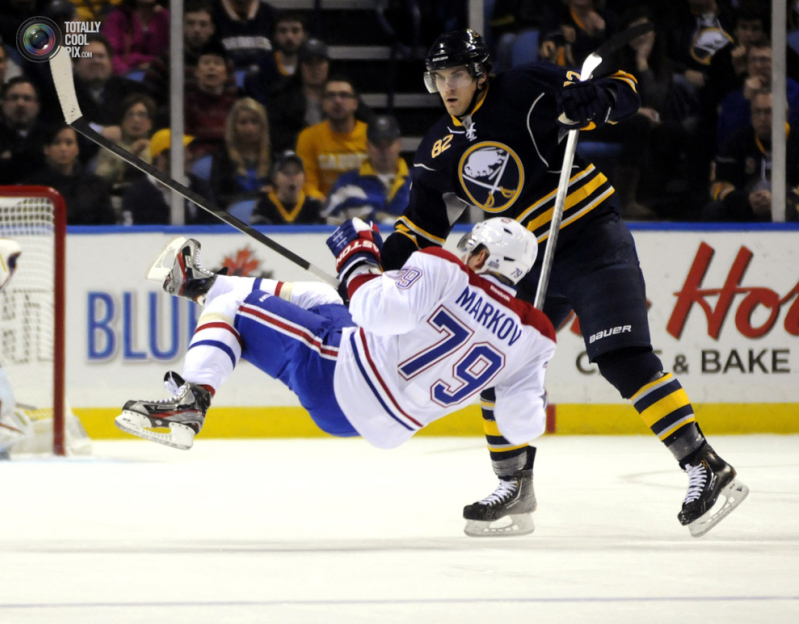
{"x":269,"y":119}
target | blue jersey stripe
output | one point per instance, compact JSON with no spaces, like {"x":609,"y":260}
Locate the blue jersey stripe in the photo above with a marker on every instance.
{"x":371,"y":386}
{"x":219,"y":345}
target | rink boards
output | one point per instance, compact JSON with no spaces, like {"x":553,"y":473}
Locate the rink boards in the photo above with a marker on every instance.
{"x":724,"y":316}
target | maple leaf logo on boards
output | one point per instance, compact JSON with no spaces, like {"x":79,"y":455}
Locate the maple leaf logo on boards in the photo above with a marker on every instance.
{"x":244,"y":263}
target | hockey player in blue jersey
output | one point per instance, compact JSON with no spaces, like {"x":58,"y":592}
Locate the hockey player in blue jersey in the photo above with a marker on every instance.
{"x":414,"y":345}
{"x":500,"y":148}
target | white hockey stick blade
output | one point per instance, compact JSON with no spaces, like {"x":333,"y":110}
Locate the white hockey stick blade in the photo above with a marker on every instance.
{"x":734,"y":494}
{"x":163,"y":264}
{"x":510,"y":526}
{"x":61,"y":68}
{"x":179,"y":436}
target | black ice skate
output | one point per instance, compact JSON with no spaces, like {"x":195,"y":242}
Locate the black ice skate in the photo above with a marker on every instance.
{"x":507,"y":511}
{"x":709,"y":479}
{"x":182,"y":415}
{"x":178,"y":266}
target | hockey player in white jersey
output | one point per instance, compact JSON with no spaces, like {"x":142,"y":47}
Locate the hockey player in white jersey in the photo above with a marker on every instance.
{"x":414,"y":345}
{"x":10,"y":428}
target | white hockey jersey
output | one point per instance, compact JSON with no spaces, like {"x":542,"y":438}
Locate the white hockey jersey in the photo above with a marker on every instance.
{"x":431,"y":336}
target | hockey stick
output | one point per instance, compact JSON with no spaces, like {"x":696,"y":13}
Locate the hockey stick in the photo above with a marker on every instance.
{"x":593,"y":61}
{"x":61,"y":68}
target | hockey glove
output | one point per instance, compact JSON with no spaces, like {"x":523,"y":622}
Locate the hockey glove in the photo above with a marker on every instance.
{"x":356,"y":245}
{"x":581,"y":103}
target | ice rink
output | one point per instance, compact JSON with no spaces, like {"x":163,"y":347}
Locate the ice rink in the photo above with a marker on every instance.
{"x":335,"y":531}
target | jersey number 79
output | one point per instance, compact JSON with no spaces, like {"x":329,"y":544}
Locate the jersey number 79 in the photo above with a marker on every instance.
{"x":472,"y":372}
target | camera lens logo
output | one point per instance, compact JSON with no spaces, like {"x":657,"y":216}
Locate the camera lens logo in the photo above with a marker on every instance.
{"x":38,"y":39}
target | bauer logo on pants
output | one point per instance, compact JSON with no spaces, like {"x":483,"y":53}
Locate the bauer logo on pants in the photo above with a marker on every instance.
{"x":492,"y":175}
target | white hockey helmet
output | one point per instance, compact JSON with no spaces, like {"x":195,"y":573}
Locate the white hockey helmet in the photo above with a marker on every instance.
{"x":512,"y":248}
{"x":9,"y":252}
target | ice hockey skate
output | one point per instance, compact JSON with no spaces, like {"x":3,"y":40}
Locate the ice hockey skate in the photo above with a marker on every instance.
{"x":713,"y":492}
{"x":505,"y":512}
{"x":179,"y":418}
{"x":178,"y":268}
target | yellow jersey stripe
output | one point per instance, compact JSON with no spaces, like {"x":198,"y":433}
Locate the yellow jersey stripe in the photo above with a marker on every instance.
{"x":576,"y":178}
{"x":572,"y":199}
{"x":625,"y":77}
{"x":420,"y":231}
{"x":589,"y":207}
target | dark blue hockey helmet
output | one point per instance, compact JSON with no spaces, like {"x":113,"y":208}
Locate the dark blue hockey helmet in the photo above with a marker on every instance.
{"x":455,"y":48}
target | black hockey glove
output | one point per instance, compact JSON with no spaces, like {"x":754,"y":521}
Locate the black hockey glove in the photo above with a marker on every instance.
{"x":581,"y":103}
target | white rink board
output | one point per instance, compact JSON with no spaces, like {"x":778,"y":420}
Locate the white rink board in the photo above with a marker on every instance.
{"x":732,"y":337}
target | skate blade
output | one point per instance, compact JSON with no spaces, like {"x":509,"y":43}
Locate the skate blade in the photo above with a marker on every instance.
{"x":179,"y":436}
{"x":509,"y":526}
{"x":734,"y":494}
{"x":165,"y":261}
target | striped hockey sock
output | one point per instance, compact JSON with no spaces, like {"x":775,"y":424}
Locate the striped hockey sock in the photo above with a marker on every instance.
{"x":666,"y":409}
{"x":506,"y":458}
{"x":216,"y":346}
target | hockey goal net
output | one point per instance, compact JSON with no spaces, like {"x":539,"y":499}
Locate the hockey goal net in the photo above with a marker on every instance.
{"x":32,"y":324}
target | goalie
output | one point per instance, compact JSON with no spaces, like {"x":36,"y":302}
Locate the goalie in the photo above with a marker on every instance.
{"x":10,"y":429}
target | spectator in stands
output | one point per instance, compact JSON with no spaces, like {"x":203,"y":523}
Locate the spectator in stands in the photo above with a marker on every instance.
{"x":100,"y":93}
{"x":289,"y":36}
{"x":57,"y":10}
{"x":87,"y":196}
{"x":695,"y":39}
{"x":296,"y":101}
{"x":741,"y":188}
{"x":576,"y":30}
{"x":377,"y":191}
{"x":21,"y":133}
{"x":273,"y":70}
{"x":734,"y":112}
{"x":508,"y":21}
{"x":147,"y":201}
{"x":198,"y":29}
{"x":3,"y":64}
{"x":136,"y":125}
{"x":94,"y":10}
{"x":246,"y":28}
{"x":241,"y":168}
{"x":335,"y":145}
{"x":138,"y":32}
{"x":728,"y":67}
{"x":207,"y":105}
{"x":287,"y":203}
{"x":653,"y":140}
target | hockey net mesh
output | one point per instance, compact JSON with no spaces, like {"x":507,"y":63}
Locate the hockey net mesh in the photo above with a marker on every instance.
{"x":28,"y":324}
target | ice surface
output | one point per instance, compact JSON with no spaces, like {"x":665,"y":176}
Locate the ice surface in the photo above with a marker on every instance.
{"x":335,"y":531}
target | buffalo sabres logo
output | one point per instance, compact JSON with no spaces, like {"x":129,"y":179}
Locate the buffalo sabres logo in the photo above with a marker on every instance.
{"x":491,"y":175}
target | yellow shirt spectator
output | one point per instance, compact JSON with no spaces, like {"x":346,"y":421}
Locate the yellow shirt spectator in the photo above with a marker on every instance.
{"x":327,"y":154}
{"x":91,"y":10}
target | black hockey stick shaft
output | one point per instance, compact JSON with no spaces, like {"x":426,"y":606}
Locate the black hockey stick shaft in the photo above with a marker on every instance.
{"x":617,"y":42}
{"x":62,"y":71}
{"x":593,"y":61}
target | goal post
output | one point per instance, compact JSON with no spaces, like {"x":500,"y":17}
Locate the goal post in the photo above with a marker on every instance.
{"x":33,"y":321}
